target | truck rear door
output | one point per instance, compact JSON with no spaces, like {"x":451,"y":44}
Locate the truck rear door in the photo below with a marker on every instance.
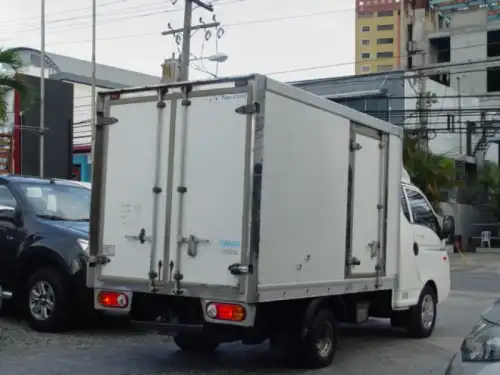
{"x":210,"y":163}
{"x":129,"y":207}
{"x":192,"y":221}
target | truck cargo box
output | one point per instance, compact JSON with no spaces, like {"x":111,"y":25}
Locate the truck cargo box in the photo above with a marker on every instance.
{"x":242,"y":189}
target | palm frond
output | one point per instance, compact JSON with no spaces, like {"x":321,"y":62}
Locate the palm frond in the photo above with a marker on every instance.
{"x":431,"y":173}
{"x":11,"y":80}
{"x":11,"y":58}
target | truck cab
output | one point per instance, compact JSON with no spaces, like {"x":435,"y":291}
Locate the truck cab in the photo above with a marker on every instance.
{"x":425,"y":238}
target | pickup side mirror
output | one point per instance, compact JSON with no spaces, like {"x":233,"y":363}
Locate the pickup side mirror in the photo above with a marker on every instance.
{"x":448,"y":230}
{"x":9,"y":214}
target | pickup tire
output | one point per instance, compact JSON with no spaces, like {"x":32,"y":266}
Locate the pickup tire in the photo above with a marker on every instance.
{"x":317,"y":349}
{"x":422,"y":317}
{"x":46,"y":301}
{"x":195,"y":342}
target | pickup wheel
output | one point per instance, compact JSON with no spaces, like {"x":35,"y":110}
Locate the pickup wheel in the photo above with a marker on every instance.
{"x":422,"y":317}
{"x":317,"y":349}
{"x":195,"y":342}
{"x":46,"y":302}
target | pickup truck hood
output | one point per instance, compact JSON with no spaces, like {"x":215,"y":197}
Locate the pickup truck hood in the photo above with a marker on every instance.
{"x":492,"y":314}
{"x":79,"y":228}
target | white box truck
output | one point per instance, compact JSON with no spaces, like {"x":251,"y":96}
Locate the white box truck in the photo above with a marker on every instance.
{"x":244,"y":209}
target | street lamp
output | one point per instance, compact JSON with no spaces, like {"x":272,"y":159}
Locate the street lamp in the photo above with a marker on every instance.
{"x":171,"y":67}
{"x":218,"y":58}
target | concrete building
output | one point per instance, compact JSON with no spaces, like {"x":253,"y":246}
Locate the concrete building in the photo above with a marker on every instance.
{"x":462,"y":47}
{"x":378,"y":34}
{"x":79,"y":73}
{"x":394,"y":97}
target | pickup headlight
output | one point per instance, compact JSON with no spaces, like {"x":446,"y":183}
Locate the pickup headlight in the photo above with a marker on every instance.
{"x":84,"y":245}
{"x":483,"y":343}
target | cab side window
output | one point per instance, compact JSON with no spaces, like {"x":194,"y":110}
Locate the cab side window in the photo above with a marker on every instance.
{"x":404,"y":205}
{"x":422,"y":211}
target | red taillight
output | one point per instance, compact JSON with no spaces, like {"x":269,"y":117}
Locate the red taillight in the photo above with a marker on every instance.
{"x":226,"y":311}
{"x":117,"y":300}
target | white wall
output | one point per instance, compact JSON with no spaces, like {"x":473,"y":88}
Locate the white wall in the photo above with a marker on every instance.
{"x":82,"y":113}
{"x":446,"y":102}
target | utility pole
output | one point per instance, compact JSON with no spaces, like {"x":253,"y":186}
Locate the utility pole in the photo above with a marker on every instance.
{"x":42,"y":91}
{"x":422,"y":107}
{"x":93,"y":93}
{"x":460,"y":143}
{"x":186,"y":32}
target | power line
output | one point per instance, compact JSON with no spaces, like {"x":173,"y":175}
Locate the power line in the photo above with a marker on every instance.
{"x":36,"y":19}
{"x":442,"y":66}
{"x":258,"y":21}
{"x":154,"y":11}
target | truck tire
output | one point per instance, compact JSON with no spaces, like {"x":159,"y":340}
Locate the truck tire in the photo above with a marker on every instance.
{"x":46,"y":303}
{"x":195,"y":342}
{"x":317,"y":349}
{"x":422,"y":317}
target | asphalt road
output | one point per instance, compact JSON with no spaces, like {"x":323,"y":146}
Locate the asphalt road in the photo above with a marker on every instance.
{"x":373,"y":348}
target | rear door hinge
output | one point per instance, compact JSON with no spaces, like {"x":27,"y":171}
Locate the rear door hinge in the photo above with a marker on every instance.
{"x":355,"y":146}
{"x":351,"y":262}
{"x":240,"y":269}
{"x":248,"y":109}
{"x":97,"y":260}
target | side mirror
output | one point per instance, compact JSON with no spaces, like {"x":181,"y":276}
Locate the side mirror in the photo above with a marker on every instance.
{"x":448,"y":228}
{"x":9,"y":214}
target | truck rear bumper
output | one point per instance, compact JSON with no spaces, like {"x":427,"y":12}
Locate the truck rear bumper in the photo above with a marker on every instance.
{"x":167,"y":328}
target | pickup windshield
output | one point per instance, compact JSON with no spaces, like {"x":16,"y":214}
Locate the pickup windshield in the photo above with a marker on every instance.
{"x":58,"y":202}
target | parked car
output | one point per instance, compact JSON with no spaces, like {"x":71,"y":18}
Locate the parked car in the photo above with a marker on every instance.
{"x":44,"y":243}
{"x":480,"y":351}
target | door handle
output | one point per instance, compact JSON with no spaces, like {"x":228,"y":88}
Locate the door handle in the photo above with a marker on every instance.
{"x":415,"y":248}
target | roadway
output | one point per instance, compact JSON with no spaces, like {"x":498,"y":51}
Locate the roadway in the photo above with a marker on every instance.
{"x":372,"y":348}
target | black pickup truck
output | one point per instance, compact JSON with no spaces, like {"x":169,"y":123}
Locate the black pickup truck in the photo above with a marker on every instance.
{"x":43,"y":249}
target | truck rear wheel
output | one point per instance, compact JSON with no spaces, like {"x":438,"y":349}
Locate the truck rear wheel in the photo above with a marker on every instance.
{"x":317,"y":349}
{"x":422,"y":317}
{"x":195,"y":342}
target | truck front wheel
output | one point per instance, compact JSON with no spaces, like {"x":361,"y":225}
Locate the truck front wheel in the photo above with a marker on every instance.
{"x":195,"y":342}
{"x":422,"y":317}
{"x":317,"y":349}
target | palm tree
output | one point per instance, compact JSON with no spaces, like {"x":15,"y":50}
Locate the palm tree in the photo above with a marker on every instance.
{"x":10,"y":79}
{"x":488,"y":183}
{"x":431,"y":173}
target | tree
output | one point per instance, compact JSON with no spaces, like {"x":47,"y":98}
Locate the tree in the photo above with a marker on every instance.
{"x":10,"y":79}
{"x":429,"y":172}
{"x":489,"y":184}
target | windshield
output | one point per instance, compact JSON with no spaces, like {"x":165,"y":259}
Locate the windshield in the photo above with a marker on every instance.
{"x":58,"y":202}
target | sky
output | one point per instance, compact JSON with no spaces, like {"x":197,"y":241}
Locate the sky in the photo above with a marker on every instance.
{"x":287,"y":39}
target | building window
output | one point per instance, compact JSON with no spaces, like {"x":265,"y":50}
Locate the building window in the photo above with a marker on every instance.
{"x":365,"y":69}
{"x":381,"y":55}
{"x":386,"y":27}
{"x":386,"y":13}
{"x":366,"y":15}
{"x":450,"y":122}
{"x":365,"y":55}
{"x":385,"y":41}
{"x":365,"y":29}
{"x":493,"y":79}
{"x":384,"y":68}
{"x":365,"y":42}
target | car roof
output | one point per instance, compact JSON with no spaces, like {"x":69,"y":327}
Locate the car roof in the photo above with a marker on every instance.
{"x":37,"y":180}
